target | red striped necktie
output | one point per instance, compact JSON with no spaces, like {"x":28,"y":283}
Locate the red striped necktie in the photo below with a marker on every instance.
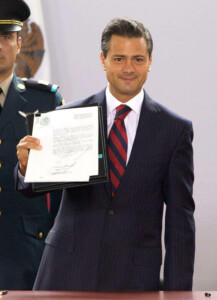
{"x":117,"y":147}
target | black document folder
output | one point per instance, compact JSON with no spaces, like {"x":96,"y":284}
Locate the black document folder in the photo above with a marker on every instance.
{"x":103,"y":166}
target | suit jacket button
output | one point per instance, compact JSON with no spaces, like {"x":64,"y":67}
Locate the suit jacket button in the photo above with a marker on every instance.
{"x":40,"y":235}
{"x":111,"y":212}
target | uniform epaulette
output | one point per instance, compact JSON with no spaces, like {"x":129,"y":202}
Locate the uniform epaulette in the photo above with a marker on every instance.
{"x":40,"y":85}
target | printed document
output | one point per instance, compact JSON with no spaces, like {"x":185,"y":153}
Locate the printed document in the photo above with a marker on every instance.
{"x":69,"y":140}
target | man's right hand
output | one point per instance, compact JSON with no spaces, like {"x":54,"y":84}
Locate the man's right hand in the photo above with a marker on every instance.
{"x":27,"y":143}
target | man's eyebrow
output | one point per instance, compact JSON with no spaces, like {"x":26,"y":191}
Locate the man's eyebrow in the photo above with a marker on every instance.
{"x":121,"y":55}
{"x":139,"y":55}
{"x":5,"y":33}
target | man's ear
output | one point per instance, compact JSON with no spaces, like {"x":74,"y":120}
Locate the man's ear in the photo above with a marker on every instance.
{"x":19,"y":43}
{"x":150,"y":61}
{"x":102,"y":61}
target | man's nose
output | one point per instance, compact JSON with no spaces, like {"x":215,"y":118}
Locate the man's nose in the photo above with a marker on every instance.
{"x":128,"y":66}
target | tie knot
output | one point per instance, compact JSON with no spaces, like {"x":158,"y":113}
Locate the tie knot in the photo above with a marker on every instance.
{"x":1,"y":91}
{"x":122,"y":111}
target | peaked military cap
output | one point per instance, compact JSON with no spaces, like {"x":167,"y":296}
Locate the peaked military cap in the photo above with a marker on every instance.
{"x":12,"y":14}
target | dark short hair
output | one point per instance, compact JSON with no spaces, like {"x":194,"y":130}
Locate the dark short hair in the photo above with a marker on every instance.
{"x":125,"y":27}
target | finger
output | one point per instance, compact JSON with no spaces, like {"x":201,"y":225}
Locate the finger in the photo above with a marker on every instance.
{"x":30,"y":139}
{"x":29,"y":143}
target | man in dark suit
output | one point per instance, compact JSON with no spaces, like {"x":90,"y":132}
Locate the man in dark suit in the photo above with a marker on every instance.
{"x":107,"y":237}
{"x":23,"y":224}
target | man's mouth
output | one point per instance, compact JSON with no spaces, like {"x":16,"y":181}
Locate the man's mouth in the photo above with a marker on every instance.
{"x":128,"y":79}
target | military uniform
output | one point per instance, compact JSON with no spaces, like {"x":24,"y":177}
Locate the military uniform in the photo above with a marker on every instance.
{"x":24,"y":223}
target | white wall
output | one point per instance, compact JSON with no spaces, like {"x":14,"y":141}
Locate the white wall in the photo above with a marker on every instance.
{"x":183,"y":77}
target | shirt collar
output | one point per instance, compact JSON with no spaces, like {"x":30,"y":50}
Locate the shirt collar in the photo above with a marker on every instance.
{"x":135,"y":103}
{"x":5,"y":84}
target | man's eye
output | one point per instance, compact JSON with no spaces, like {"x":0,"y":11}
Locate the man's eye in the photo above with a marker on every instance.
{"x":5,"y":37}
{"x":139,"y":59}
{"x":118,"y":59}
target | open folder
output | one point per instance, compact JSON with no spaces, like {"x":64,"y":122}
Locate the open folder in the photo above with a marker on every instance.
{"x":99,"y":170}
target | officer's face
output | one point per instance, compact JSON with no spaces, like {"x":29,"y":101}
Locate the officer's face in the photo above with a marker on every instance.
{"x":9,"y":48}
{"x":127,"y":64}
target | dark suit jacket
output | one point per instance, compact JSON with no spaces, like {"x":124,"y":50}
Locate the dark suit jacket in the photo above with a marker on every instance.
{"x":23,"y":224}
{"x":100,"y":243}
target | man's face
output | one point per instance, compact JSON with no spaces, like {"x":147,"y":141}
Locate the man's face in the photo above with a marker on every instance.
{"x":9,"y":48}
{"x":127,"y":64}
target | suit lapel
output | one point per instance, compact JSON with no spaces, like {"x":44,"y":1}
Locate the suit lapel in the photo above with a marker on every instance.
{"x":100,"y":98}
{"x":149,"y":123}
{"x":13,"y":103}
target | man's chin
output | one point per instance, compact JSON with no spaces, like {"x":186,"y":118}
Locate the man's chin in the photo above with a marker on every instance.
{"x":2,"y":71}
{"x":128,"y":91}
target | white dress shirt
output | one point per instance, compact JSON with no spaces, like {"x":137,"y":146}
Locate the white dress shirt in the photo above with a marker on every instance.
{"x":132,"y":119}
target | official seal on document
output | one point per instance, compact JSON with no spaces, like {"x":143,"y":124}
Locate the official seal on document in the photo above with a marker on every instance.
{"x":44,"y":121}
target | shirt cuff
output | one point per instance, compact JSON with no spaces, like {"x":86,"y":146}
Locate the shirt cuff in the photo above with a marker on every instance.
{"x":21,"y":184}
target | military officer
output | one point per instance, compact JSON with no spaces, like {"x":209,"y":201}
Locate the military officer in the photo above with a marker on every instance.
{"x":23,"y":224}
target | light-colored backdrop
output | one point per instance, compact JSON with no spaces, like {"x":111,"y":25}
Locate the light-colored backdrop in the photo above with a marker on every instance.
{"x":183,"y":77}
